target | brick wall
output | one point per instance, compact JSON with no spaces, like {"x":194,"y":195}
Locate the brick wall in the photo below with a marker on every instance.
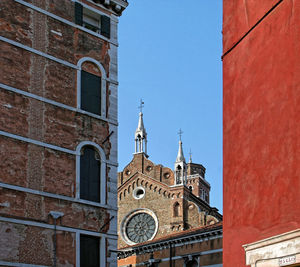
{"x":42,"y":126}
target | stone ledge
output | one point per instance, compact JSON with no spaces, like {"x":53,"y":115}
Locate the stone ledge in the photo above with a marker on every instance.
{"x":273,"y":248}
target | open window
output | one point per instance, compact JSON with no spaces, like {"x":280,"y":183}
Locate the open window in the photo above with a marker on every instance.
{"x":92,"y":20}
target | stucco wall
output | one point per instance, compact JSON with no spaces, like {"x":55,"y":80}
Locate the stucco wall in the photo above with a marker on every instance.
{"x":261,"y":123}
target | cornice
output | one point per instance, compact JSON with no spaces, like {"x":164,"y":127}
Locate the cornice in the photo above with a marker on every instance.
{"x":185,"y":238}
{"x":142,"y":175}
{"x":115,"y":6}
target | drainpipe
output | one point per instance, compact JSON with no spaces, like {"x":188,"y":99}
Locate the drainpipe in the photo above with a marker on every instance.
{"x":171,"y":264}
{"x":55,"y":215}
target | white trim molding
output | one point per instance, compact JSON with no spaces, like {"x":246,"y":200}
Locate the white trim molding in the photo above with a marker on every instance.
{"x":274,"y":251}
{"x":77,"y":232}
{"x":58,"y":227}
{"x":37,"y":52}
{"x":19,"y":264}
{"x":102,"y":248}
{"x":42,"y":11}
{"x":42,"y":54}
{"x":54,"y":103}
{"x":102,"y":177}
{"x":46,"y":145}
{"x":56,"y":196}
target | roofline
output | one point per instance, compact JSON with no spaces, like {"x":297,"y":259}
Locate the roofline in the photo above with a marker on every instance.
{"x":192,"y":236}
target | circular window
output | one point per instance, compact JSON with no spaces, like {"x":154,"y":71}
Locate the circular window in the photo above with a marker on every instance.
{"x":139,"y":192}
{"x":139,"y":226}
{"x":167,"y":175}
{"x":127,"y":172}
{"x":149,"y":168}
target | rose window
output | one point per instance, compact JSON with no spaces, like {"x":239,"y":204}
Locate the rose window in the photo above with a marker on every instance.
{"x":140,"y":227}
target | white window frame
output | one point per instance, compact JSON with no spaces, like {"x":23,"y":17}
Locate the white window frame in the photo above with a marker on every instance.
{"x":102,"y":171}
{"x":103,"y":85}
{"x":102,"y":247}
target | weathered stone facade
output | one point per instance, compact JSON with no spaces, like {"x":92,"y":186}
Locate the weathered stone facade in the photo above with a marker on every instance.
{"x":43,"y":130}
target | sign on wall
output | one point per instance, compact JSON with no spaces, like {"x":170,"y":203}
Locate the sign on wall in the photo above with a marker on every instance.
{"x":287,"y":260}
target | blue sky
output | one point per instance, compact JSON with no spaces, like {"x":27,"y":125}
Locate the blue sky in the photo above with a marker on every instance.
{"x":170,"y":56}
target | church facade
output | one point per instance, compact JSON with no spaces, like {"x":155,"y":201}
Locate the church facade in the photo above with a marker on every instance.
{"x":155,"y":202}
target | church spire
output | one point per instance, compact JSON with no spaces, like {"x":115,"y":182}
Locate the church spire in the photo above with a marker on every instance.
{"x":140,"y":136}
{"x":180,"y":156}
{"x":180,"y":165}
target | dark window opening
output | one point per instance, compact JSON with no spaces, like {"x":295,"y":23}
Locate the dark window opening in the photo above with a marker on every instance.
{"x":139,"y":192}
{"x":176,"y":211}
{"x":90,"y":92}
{"x":206,"y":197}
{"x":192,"y":263}
{"x":89,"y":251}
{"x":92,"y":20}
{"x":90,"y":174}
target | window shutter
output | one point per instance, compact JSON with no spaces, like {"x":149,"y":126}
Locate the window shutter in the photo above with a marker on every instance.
{"x":89,"y":251}
{"x":94,"y":182}
{"x":105,"y":26}
{"x":90,"y":92}
{"x":78,"y":13}
{"x":84,"y":175}
{"x":90,"y":175}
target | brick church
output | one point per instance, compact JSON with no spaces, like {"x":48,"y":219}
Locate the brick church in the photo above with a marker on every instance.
{"x":156,"y":202}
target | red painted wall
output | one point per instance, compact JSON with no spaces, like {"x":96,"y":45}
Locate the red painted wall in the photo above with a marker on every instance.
{"x":261,"y":123}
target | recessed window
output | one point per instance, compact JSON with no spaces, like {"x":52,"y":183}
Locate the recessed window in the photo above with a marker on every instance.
{"x":92,"y":20}
{"x":90,"y":92}
{"x":139,"y":192}
{"x":89,"y":251}
{"x":192,"y":263}
{"x":149,"y":168}
{"x":176,"y":210}
{"x":90,"y":174}
{"x":167,"y":175}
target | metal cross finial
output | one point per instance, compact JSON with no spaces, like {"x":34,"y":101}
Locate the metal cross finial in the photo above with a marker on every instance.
{"x":141,"y":105}
{"x":180,"y":133}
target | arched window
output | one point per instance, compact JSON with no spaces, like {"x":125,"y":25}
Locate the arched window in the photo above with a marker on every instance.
{"x":90,"y":167}
{"x":176,"y":210}
{"x":90,"y":172}
{"x":178,"y":175}
{"x":91,"y":86}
